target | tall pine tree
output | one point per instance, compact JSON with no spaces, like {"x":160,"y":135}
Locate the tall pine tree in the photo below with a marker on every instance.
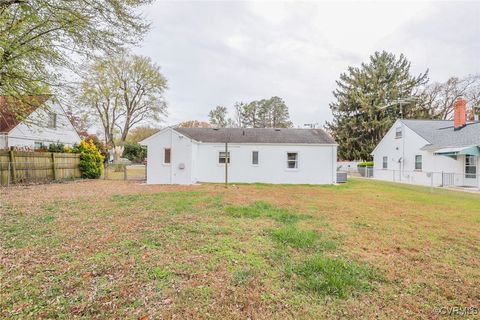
{"x":361,"y":117}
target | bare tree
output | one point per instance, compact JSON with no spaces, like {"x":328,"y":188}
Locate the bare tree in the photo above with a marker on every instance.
{"x":123,"y":92}
{"x":438,"y":98}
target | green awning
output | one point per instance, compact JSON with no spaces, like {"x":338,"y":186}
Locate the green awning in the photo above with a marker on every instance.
{"x":453,"y":152}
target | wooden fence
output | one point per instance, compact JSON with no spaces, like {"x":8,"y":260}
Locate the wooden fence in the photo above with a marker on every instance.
{"x":33,"y":167}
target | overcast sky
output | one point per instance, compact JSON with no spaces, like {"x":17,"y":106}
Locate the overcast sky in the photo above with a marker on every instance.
{"x":217,"y":53}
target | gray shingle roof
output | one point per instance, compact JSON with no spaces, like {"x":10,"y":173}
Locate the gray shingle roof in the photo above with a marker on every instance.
{"x":257,"y":135}
{"x":440,"y":133}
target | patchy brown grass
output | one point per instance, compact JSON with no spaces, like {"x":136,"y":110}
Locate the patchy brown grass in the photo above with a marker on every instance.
{"x":114,"y":249}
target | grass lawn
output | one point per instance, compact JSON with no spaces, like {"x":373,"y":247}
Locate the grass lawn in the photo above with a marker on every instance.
{"x":115,"y":249}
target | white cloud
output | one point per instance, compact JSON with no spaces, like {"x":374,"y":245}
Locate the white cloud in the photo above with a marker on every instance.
{"x":216,"y":53}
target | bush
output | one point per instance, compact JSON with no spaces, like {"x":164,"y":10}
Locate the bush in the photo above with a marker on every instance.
{"x":56,"y":147}
{"x":98,"y":143}
{"x":134,"y":152}
{"x":365,"y":164}
{"x":91,"y":160}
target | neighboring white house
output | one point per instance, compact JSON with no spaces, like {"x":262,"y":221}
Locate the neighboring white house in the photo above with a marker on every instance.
{"x":431,"y":152}
{"x":290,"y":156}
{"x":39,"y":122}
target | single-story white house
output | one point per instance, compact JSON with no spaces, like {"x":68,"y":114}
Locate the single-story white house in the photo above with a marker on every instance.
{"x":291,"y":156}
{"x":38,"y":122}
{"x":431,"y":152}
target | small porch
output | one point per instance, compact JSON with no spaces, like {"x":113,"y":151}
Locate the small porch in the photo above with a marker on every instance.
{"x":469,"y":158}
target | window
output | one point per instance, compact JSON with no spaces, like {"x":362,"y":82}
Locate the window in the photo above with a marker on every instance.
{"x":38,"y":145}
{"x":470,"y":167}
{"x":398,"y":132}
{"x":167,"y":156}
{"x":385,"y":163}
{"x":418,"y":162}
{"x":292,"y":160}
{"x":52,"y":120}
{"x":221,"y":157}
{"x":255,"y":157}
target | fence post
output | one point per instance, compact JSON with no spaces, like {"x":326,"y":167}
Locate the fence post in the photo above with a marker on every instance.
{"x":54,"y":167}
{"x":431,"y":181}
{"x":124,"y":172}
{"x":8,"y":175}
{"x":13,"y":166}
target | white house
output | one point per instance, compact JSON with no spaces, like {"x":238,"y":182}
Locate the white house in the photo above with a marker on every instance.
{"x":290,"y":156}
{"x":39,"y":122}
{"x":431,"y":152}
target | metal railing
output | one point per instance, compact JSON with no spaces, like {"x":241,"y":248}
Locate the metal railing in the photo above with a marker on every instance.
{"x":418,"y":177}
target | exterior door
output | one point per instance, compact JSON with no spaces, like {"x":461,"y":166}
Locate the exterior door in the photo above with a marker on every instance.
{"x":471,"y":171}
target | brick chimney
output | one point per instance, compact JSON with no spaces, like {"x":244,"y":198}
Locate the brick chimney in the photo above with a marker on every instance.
{"x":460,"y":117}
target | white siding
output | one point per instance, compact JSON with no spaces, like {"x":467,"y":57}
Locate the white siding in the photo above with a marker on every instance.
{"x":181,"y":154}
{"x":406,"y":148}
{"x":316,"y":163}
{"x":35,"y":129}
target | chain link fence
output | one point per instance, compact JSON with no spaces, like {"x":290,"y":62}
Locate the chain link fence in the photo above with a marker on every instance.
{"x":132,"y":172}
{"x":430,"y":179}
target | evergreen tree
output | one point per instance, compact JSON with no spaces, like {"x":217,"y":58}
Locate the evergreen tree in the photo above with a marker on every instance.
{"x":265,"y":113}
{"x":365,"y":105}
{"x":218,"y":117}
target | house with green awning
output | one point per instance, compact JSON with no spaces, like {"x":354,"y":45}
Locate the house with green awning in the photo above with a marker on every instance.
{"x":431,"y":152}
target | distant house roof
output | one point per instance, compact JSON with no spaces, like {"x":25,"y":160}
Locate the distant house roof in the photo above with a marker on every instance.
{"x":257,"y":135}
{"x":13,"y":111}
{"x":440,"y":133}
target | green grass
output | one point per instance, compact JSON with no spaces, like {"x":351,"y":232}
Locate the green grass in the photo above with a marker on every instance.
{"x":335,"y":277}
{"x":110,"y":249}
{"x":261,"y":209}
{"x":294,"y":237}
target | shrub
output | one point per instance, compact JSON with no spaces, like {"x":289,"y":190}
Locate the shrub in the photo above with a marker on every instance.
{"x":98,"y":143}
{"x":56,"y":147}
{"x":91,"y":160}
{"x":365,"y":164}
{"x":134,"y":152}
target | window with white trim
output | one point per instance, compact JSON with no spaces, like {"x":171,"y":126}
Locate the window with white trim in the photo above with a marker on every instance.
{"x":418,"y":162}
{"x":221,"y":157}
{"x":52,"y":120}
{"x":255,"y":157}
{"x":167,"y":155}
{"x":292,"y":160}
{"x":385,"y":163}
{"x":470,"y":167}
{"x":398,"y":132}
{"x":38,"y":145}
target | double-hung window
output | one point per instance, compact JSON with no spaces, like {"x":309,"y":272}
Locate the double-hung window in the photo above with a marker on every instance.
{"x":398,"y":132}
{"x":385,"y":163}
{"x":52,"y":120}
{"x":470,"y":167}
{"x":255,"y":158}
{"x":221,"y":157}
{"x":292,"y":160}
{"x":418,"y":162}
